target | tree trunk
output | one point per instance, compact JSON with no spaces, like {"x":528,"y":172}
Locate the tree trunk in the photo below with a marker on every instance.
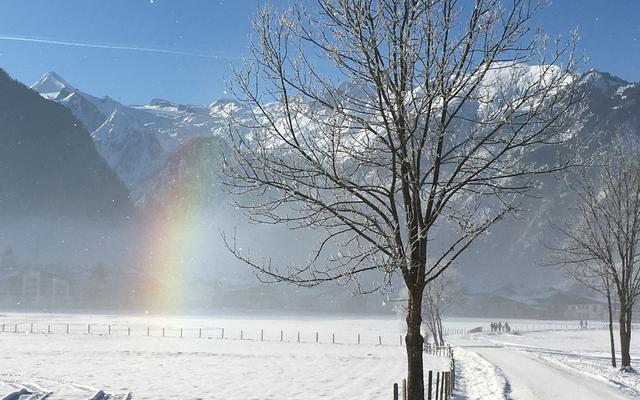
{"x":625,"y":337}
{"x":440,"y":335}
{"x":414,"y":344}
{"x":611,"y":338}
{"x":432,"y":324}
{"x":629,"y":321}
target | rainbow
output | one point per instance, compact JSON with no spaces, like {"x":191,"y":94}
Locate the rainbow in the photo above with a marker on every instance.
{"x":177,"y":241}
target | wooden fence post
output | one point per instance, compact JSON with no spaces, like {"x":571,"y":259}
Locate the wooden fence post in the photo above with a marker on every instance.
{"x":162,"y":332}
{"x":380,"y":340}
{"x":446,"y":385}
{"x":452,"y":382}
{"x":358,"y":338}
{"x":453,"y":374}
{"x":261,"y":335}
{"x":241,"y":334}
{"x":89,"y":328}
{"x":395,"y":391}
{"x":67,"y":328}
{"x":200,"y":333}
{"x":148,"y":331}
{"x":298,"y":336}
{"x":49,"y":329}
{"x":129,"y":331}
{"x":222,"y":336}
{"x":333,"y":338}
{"x":404,"y":389}
{"x":316,"y":337}
{"x":15,"y":328}
{"x":443,"y":385}
{"x":437,"y":384}
{"x":109,"y":329}
{"x":429,"y":384}
{"x":180,"y":332}
{"x":2,"y":328}
{"x":281,"y":335}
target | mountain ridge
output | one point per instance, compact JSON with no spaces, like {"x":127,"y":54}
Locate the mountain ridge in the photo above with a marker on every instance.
{"x":51,"y":165}
{"x":175,"y":131}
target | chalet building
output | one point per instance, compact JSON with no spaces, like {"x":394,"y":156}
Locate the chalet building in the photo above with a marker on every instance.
{"x":574,"y":305}
{"x":587,"y":309}
{"x":29,"y":287}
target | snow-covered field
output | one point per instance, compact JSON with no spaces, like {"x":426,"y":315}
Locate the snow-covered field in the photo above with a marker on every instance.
{"x":77,"y":365}
{"x":205,"y":357}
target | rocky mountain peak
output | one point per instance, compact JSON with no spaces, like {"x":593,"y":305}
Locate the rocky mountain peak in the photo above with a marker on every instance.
{"x":51,"y":85}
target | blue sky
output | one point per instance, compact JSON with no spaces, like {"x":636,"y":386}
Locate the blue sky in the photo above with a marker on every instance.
{"x":185,"y":30}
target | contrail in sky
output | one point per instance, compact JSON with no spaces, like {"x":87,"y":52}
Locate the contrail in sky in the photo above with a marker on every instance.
{"x":116,"y":47}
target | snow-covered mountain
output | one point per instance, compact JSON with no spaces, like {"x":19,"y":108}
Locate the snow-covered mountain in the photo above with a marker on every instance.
{"x":49,"y":167}
{"x":131,"y":148}
{"x":516,"y":247}
{"x":188,"y":178}
{"x":167,"y":152}
{"x":138,"y":141}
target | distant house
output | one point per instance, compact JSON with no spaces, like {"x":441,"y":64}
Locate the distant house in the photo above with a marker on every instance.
{"x":572,"y":305}
{"x":35,"y":287}
{"x":501,"y":303}
{"x":503,"y":306}
{"x":575,"y":303}
{"x":588,"y":309}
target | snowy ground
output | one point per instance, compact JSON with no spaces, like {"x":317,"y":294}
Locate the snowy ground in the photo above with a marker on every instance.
{"x":478,"y":379}
{"x":77,"y":365}
{"x":583,"y":351}
{"x":128,"y":355}
{"x":544,"y":365}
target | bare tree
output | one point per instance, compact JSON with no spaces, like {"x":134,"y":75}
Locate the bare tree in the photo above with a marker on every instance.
{"x":602,"y":243}
{"x":594,"y":275}
{"x":439,"y":295}
{"x":399,"y":129}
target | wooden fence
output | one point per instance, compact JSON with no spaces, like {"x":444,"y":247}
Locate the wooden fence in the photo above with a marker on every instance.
{"x":255,"y":334}
{"x":518,"y":327}
{"x":439,"y":385}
